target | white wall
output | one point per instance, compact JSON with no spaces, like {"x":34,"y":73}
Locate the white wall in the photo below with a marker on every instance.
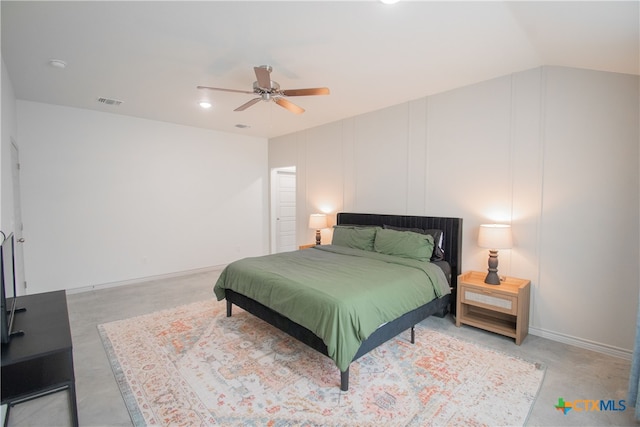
{"x":589,"y":221}
{"x":9,"y":130}
{"x":553,"y":151}
{"x":109,"y":198}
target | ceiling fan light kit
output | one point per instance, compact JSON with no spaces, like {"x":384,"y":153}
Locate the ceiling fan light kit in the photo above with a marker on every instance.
{"x":268,"y":90}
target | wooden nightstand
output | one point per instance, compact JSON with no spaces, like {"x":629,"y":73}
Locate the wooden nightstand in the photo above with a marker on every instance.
{"x":306,"y":246}
{"x":502,"y":308}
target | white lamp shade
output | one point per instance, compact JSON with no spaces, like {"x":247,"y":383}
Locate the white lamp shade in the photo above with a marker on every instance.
{"x":495,"y":236}
{"x":317,"y":221}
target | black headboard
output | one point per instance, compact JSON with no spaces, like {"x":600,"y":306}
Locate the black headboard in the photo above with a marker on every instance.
{"x":451,"y":228}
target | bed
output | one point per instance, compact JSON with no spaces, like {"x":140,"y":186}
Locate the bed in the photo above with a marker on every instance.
{"x":328,"y":297}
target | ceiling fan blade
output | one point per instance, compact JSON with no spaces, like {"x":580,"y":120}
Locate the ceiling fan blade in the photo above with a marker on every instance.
{"x":263,"y":75}
{"x":289,"y":105}
{"x":247,"y":104}
{"x":306,"y":92}
{"x":224,"y":90}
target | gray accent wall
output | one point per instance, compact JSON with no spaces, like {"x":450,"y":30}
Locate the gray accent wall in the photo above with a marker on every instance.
{"x":554,"y":151}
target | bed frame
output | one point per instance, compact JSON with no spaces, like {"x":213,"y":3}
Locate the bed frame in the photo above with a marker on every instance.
{"x":452,"y":245}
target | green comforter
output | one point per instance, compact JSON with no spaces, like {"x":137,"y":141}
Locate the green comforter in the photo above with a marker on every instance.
{"x":341,"y":294}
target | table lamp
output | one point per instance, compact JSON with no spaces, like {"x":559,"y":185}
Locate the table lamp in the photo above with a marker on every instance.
{"x":318,"y":222}
{"x":494,"y":237}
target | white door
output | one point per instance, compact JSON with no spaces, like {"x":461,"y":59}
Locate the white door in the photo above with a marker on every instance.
{"x":285,"y":209}
{"x":21,"y":283}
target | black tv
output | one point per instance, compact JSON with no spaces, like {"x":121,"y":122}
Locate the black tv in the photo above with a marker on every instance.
{"x":8,"y":294}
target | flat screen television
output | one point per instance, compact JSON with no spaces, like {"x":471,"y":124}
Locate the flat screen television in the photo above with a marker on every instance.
{"x":8,"y":294}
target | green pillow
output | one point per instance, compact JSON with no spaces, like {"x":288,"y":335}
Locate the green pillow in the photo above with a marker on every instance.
{"x":438,"y":252}
{"x":405,"y":244}
{"x":354,"y":237}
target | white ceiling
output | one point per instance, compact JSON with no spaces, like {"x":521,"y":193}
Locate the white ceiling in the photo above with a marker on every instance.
{"x":153,"y":54}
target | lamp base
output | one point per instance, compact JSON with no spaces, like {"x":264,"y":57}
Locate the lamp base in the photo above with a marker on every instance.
{"x":492,"y":276}
{"x":317,"y":237}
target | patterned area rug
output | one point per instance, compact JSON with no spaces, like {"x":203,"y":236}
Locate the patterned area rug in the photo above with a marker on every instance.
{"x":192,"y":365}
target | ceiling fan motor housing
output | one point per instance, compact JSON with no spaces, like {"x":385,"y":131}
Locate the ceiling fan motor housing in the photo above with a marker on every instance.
{"x":275,"y":87}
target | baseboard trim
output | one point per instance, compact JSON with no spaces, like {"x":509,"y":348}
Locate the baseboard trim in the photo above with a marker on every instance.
{"x":554,"y":336}
{"x":582,"y":343}
{"x":143,"y":279}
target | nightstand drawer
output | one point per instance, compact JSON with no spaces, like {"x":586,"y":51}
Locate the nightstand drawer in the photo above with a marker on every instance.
{"x":494,"y":301}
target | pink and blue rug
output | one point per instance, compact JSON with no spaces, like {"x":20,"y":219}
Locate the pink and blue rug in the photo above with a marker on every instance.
{"x":192,"y":365}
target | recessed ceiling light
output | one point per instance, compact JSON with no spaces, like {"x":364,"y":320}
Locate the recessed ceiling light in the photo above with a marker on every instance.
{"x":57,"y":63}
{"x":241,"y":126}
{"x":205,"y":104}
{"x":389,"y":1}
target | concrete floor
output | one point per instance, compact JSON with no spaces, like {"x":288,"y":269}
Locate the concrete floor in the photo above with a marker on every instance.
{"x":572,"y":373}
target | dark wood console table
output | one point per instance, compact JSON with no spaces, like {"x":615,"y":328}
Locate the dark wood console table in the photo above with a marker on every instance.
{"x":40,"y":362}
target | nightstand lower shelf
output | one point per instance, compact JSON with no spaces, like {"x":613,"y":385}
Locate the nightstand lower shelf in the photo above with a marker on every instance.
{"x":489,"y":320}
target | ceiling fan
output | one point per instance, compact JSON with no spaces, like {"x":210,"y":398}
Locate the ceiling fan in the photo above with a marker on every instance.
{"x":268,"y":90}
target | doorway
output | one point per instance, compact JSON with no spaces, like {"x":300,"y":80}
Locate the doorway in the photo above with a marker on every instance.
{"x":283,"y":209}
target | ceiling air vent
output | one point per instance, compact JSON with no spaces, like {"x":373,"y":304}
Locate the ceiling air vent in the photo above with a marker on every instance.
{"x":109,"y":101}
